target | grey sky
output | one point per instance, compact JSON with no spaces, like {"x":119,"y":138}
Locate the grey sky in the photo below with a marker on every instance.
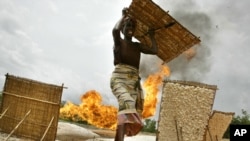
{"x":70,"y":42}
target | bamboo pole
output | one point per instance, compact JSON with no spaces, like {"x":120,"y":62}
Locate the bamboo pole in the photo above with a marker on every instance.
{"x":176,"y":127}
{"x":32,"y":121}
{"x":181,"y":134}
{"x":1,"y":115}
{"x":47,"y":129}
{"x":216,"y":137}
{"x":17,"y":125}
{"x":211,"y":138}
{"x":44,"y":101}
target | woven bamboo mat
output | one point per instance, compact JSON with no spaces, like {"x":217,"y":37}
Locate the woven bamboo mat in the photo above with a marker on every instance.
{"x":172,"y":38}
{"x":185,"y":110}
{"x":217,"y":125}
{"x":30,"y":108}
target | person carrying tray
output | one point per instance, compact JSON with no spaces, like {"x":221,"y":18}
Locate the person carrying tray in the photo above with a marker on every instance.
{"x":125,"y":80}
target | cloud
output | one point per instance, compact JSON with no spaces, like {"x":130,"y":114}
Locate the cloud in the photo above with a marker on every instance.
{"x":71,"y":42}
{"x":221,"y":58}
{"x":59,"y":42}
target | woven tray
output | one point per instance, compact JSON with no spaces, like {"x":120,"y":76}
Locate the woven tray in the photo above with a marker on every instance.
{"x":185,"y":109}
{"x":172,"y":38}
{"x":30,"y":108}
{"x":217,"y":125}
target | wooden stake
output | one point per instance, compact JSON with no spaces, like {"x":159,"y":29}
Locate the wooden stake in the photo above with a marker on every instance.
{"x":211,"y":138}
{"x":1,"y":115}
{"x":47,"y":129}
{"x":19,"y":96}
{"x":17,"y":125}
{"x":216,"y":137}
{"x":181,"y":134}
{"x":177,"y":132}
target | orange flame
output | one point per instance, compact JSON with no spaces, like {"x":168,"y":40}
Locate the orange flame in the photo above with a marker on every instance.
{"x":70,"y":111}
{"x":92,"y":111}
{"x":151,"y":86}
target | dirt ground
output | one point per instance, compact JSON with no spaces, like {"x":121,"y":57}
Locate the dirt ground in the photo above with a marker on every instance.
{"x":72,"y":132}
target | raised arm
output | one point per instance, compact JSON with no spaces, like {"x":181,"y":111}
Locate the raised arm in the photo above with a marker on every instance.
{"x":154,"y":47}
{"x":118,"y":27}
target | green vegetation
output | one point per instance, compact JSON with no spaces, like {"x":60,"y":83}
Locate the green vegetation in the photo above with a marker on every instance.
{"x":149,"y":126}
{"x":238,"y":120}
{"x":76,"y":122}
{"x":63,"y":103}
{"x":1,"y":96}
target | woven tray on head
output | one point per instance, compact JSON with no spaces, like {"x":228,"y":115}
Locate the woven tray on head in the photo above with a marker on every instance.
{"x":172,"y":38}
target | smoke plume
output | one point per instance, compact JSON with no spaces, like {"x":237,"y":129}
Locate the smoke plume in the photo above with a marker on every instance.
{"x":197,"y":22}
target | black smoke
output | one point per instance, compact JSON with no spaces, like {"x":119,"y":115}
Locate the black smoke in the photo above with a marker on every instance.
{"x":198,"y":22}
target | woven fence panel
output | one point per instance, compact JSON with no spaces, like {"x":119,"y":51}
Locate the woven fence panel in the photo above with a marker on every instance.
{"x":185,"y":110}
{"x":217,"y":125}
{"x":172,"y":38}
{"x":31,"y":104}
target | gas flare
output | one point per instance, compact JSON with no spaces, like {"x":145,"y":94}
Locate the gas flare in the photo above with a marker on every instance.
{"x":103,"y":116}
{"x":92,"y":111}
{"x":151,"y":87}
{"x":70,"y":111}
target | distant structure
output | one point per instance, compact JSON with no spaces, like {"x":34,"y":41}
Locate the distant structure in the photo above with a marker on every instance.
{"x":30,"y":109}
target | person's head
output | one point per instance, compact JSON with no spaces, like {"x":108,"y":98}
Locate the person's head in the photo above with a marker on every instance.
{"x":129,"y":26}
